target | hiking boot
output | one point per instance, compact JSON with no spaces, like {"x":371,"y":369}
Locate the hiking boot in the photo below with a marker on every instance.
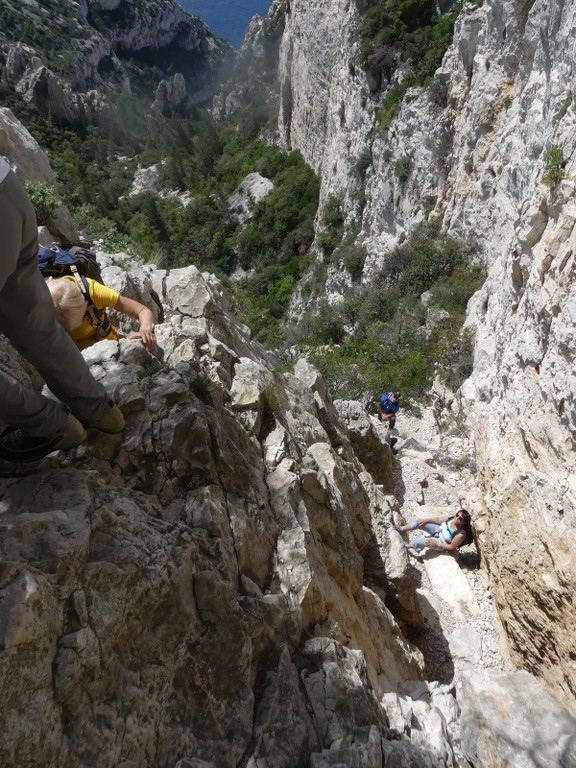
{"x":19,"y":448}
{"x":393,"y":441}
{"x":113,"y":422}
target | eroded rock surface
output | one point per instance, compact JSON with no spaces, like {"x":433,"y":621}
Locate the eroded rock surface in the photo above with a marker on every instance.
{"x":161,"y":589}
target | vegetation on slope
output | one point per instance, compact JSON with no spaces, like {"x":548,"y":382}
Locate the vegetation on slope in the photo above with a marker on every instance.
{"x":404,"y":326}
{"x":95,"y":168}
{"x":49,"y":27}
{"x":406,"y":36}
{"x":382,"y":333}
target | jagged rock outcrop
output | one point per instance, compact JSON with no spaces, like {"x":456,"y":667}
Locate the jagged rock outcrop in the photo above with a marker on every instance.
{"x":252,"y":189}
{"x":178,"y":574}
{"x":220,"y":583}
{"x":226,"y":571}
{"x":122,"y":47}
{"x":475,"y":159}
{"x":30,"y":162}
{"x":367,"y":439}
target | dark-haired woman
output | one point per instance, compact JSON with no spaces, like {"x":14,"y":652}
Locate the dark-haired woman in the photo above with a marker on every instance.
{"x":446,"y":532}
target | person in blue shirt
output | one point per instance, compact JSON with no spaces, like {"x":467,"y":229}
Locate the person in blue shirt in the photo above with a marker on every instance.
{"x":447,"y":532}
{"x":388,"y":407}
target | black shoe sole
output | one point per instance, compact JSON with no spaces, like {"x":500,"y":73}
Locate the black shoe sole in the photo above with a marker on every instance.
{"x":26,"y":455}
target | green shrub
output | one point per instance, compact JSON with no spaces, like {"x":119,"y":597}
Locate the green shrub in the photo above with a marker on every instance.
{"x":390,"y":106}
{"x":332,"y":226}
{"x":438,"y":90}
{"x":393,"y":338}
{"x":553,"y":166}
{"x":407,"y":35}
{"x":44,"y":200}
{"x":363,"y":162}
{"x":353,"y":257}
{"x":328,"y":326}
{"x":94,"y":227}
{"x":454,"y":353}
{"x":403,"y":168}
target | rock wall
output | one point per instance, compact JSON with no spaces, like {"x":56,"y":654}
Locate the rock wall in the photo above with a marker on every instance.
{"x":220,"y":586}
{"x":223,"y":567}
{"x":477,"y":164}
{"x":29,"y":162}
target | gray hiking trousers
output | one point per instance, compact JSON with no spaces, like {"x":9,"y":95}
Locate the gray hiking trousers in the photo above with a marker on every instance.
{"x":28,"y":319}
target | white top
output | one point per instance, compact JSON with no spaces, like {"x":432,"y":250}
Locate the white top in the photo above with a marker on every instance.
{"x":4,"y":168}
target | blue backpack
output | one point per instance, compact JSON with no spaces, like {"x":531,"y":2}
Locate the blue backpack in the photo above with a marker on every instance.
{"x":56,"y":262}
{"x":79,"y":263}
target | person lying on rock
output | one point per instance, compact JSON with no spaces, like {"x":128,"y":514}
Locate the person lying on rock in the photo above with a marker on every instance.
{"x":84,"y":315}
{"x":447,"y":532}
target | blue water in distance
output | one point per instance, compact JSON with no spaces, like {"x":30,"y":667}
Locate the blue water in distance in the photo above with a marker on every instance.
{"x":227,"y":18}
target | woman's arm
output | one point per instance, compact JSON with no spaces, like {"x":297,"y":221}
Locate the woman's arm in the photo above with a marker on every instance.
{"x":145,"y":319}
{"x":437,"y":520}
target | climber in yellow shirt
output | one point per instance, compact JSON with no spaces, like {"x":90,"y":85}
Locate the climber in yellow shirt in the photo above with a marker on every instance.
{"x":81,"y":311}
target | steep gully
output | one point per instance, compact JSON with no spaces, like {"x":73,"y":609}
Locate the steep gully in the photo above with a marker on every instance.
{"x":434,"y":474}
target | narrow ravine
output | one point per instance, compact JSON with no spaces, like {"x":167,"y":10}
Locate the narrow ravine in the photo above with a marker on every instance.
{"x":434,"y":474}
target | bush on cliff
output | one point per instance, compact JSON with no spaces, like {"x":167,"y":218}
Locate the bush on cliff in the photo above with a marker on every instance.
{"x":392,"y":336}
{"x":404,"y":34}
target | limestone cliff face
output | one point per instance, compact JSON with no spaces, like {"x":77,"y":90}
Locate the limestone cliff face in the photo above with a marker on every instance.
{"x":477,"y":164}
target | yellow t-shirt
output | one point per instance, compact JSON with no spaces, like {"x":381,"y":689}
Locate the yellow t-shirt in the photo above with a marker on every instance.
{"x":104,"y":298}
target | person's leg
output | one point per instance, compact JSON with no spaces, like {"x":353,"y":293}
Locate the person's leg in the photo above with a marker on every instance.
{"x":27,"y":318}
{"x":418,"y":543}
{"x":430,"y":528}
{"x":413,"y":525}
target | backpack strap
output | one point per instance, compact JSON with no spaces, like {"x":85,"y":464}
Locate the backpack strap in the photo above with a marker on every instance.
{"x":81,"y":282}
{"x":453,"y":534}
{"x":98,"y":318}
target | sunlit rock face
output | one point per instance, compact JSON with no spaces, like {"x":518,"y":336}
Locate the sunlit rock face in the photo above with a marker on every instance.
{"x":214,"y":570}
